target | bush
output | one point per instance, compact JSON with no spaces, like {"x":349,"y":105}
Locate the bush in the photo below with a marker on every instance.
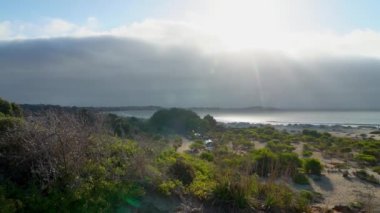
{"x":167,"y":187}
{"x":233,"y":193}
{"x":197,"y":145}
{"x":307,"y":153}
{"x":207,"y":156}
{"x":300,"y":178}
{"x":177,"y":120}
{"x":10,"y":109}
{"x":276,"y":146}
{"x":210,"y":121}
{"x":376,"y":169}
{"x":118,"y":125}
{"x":280,"y":198}
{"x":7,"y":123}
{"x":288,"y":163}
{"x":366,"y":159}
{"x":264,"y":162}
{"x":312,"y":166}
{"x":311,"y":133}
{"x":182,"y":171}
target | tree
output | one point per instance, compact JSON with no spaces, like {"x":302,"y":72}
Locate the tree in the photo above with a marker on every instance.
{"x":210,"y":121}
{"x":177,"y":120}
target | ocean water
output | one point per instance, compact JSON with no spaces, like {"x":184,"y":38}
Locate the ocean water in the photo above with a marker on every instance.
{"x":281,"y":116}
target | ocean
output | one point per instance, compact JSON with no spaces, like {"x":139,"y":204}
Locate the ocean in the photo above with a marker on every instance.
{"x":280,"y":117}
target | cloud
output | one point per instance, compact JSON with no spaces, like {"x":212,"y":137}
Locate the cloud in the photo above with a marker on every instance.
{"x":5,"y":30}
{"x":58,"y":27}
{"x":174,"y":63}
{"x":113,"y":71}
{"x":358,"y":42}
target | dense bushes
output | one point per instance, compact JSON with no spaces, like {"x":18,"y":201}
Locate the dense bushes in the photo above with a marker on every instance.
{"x":267,"y":163}
{"x":234,"y":192}
{"x":84,"y":162}
{"x":57,"y":161}
{"x":177,"y":120}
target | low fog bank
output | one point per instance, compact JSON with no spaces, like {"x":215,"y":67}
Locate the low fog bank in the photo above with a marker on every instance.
{"x":110,"y":71}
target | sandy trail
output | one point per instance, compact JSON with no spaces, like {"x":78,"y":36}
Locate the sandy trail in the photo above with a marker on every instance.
{"x":185,"y":145}
{"x":339,"y":190}
{"x":259,"y":145}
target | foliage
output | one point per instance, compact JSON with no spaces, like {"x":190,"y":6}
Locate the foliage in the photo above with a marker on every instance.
{"x":85,"y":162}
{"x":300,"y":178}
{"x":307,"y":153}
{"x":197,"y":145}
{"x":167,"y":187}
{"x":119,"y":125}
{"x":9,"y":123}
{"x":177,"y":120}
{"x":207,"y":156}
{"x":210,"y":121}
{"x":276,"y":146}
{"x":312,"y":166}
{"x":264,"y":162}
{"x":376,"y":169}
{"x":366,"y":159}
{"x":9,"y":109}
{"x":182,"y":171}
{"x":234,"y":192}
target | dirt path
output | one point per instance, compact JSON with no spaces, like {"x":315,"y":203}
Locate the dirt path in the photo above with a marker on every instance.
{"x":185,"y":145}
{"x":259,"y":145}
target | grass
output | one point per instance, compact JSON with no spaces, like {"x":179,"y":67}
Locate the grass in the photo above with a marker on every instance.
{"x":363,"y":175}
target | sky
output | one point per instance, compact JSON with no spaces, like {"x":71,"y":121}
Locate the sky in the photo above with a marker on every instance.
{"x":217,"y":53}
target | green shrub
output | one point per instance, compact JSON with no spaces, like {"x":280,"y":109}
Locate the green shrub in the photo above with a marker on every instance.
{"x":288,"y":163}
{"x":264,"y":162}
{"x":300,"y":178}
{"x":366,"y":159}
{"x":207,"y":156}
{"x":307,"y":153}
{"x":167,"y":187}
{"x":376,"y":169}
{"x":182,"y":171}
{"x":197,"y":145}
{"x":306,"y":195}
{"x":312,"y":166}
{"x":8,"y":122}
{"x":177,"y":120}
{"x":10,"y":109}
{"x":276,"y":146}
{"x":279,"y":197}
{"x":233,"y":193}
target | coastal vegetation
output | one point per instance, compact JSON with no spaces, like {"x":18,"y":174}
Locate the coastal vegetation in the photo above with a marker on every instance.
{"x":81,"y":160}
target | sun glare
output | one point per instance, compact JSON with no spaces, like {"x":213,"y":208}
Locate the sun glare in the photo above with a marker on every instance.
{"x":247,"y":23}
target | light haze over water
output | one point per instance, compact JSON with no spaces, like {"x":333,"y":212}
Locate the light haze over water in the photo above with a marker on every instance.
{"x":280,"y":116}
